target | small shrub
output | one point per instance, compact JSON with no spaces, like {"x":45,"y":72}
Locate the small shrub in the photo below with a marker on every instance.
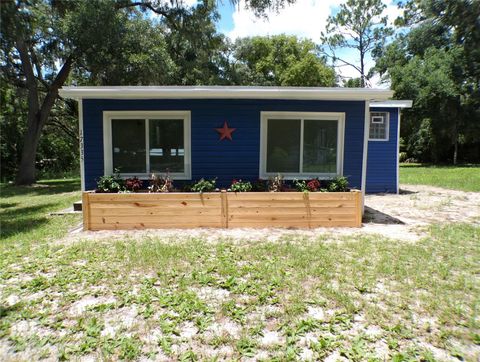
{"x":402,"y":156}
{"x":259,"y":185}
{"x":240,"y":186}
{"x":161,"y":183}
{"x":113,"y":183}
{"x":304,"y":186}
{"x":204,"y":185}
{"x":275,"y":184}
{"x":338,"y":184}
{"x":133,"y":184}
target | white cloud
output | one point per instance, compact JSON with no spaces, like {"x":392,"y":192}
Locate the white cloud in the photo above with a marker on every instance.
{"x":304,"y":18}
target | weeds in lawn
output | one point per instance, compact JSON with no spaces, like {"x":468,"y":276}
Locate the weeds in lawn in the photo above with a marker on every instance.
{"x":360,"y":297}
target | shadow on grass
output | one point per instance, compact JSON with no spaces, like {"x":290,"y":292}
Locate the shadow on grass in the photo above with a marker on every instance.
{"x":23,"y":212}
{"x":21,"y":226}
{"x":378,"y":217}
{"x":50,"y":187}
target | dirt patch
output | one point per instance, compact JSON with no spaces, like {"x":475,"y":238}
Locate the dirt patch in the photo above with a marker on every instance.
{"x":404,"y":216}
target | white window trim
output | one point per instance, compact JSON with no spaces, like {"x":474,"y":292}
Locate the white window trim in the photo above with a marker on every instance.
{"x":386,"y":118}
{"x":336,"y":116}
{"x":107,"y":139}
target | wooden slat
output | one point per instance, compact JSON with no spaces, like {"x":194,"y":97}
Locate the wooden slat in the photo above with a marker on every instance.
{"x":358,"y":210}
{"x":161,"y":212}
{"x":287,"y":217}
{"x":291,"y":203}
{"x":86,"y":210}
{"x":289,"y":196}
{"x":183,"y":204}
{"x":224,"y":213}
{"x":290,"y":210}
{"x":151,"y":225}
{"x":292,"y":224}
{"x":154,"y":196}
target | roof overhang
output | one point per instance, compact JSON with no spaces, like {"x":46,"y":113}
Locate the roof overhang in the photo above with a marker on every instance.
{"x":232,"y":92}
{"x":392,"y":104}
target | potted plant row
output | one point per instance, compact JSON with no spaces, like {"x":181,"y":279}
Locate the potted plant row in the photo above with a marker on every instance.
{"x":157,"y":203}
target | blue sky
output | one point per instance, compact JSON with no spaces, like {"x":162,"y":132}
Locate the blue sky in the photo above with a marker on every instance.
{"x":304,"y":18}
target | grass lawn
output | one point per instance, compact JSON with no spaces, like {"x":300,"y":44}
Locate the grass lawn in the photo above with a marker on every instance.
{"x":360,"y":298}
{"x":465,"y":178}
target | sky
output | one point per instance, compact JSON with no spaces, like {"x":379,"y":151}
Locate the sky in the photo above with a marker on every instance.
{"x":304,"y":18}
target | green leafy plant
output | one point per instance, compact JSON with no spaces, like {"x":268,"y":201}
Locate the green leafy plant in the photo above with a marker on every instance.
{"x":275,"y":184}
{"x":305,"y":186}
{"x":259,"y":185}
{"x":204,"y":185}
{"x":161,"y":183}
{"x":338,"y":184}
{"x":112,"y":183}
{"x":240,"y":186}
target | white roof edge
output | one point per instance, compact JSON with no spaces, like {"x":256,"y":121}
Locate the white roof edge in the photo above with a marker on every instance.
{"x":404,"y":103}
{"x":231,"y":92}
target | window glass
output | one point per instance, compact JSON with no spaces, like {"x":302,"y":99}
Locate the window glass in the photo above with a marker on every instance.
{"x":283,"y":145}
{"x":167,"y":150}
{"x":378,"y":130}
{"x":320,"y":146}
{"x":128,"y":145}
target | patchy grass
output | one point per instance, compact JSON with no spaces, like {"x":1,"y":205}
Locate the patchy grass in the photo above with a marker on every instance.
{"x":24,"y":212}
{"x":169,"y":298}
{"x":465,"y":178}
{"x":299,"y":298}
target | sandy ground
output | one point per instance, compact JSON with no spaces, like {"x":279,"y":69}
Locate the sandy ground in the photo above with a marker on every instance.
{"x":405,"y":216}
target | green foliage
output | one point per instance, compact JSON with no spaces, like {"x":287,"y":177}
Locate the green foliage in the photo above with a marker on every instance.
{"x":306,"y":186}
{"x":240,"y":186}
{"x":279,"y":60}
{"x":204,"y":186}
{"x":338,"y":184}
{"x":437,"y":65}
{"x":112,"y":183}
{"x":359,"y":25}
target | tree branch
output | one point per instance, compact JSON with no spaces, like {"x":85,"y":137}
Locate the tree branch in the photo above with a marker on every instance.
{"x":29,"y":75}
{"x":52,"y":93}
{"x":148,"y":5}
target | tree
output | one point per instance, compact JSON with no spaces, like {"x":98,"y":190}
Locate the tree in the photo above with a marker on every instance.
{"x":44,"y":42}
{"x":358,"y":25}
{"x":279,"y":60}
{"x":437,"y":65}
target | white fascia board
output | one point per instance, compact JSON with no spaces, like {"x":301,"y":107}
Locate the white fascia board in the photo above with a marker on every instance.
{"x":392,"y":104}
{"x":174,"y":92}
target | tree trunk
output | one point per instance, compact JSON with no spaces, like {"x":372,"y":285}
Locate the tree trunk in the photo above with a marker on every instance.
{"x":26,"y":170}
{"x":455,"y":151}
{"x":37,"y":116}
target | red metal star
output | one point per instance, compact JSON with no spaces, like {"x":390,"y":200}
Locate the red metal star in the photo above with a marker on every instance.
{"x":225,"y":131}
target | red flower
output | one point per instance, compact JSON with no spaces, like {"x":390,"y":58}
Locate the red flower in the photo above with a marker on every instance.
{"x":234,"y":181}
{"x":313,"y":185}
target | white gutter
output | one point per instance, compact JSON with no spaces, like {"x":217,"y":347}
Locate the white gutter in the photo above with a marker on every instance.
{"x":392,"y":104}
{"x":178,"y":92}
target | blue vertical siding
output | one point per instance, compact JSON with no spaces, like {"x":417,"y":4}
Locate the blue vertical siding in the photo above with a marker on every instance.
{"x":382,"y":158}
{"x":223,"y":159}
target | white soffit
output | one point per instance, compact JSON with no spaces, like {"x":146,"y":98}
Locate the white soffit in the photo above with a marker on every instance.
{"x":219,"y":92}
{"x":392,"y":104}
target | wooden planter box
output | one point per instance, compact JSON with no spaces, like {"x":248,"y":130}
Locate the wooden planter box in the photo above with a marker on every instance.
{"x":221,"y":210}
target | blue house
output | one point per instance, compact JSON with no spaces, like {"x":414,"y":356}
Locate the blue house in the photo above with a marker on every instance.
{"x":240,"y":132}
